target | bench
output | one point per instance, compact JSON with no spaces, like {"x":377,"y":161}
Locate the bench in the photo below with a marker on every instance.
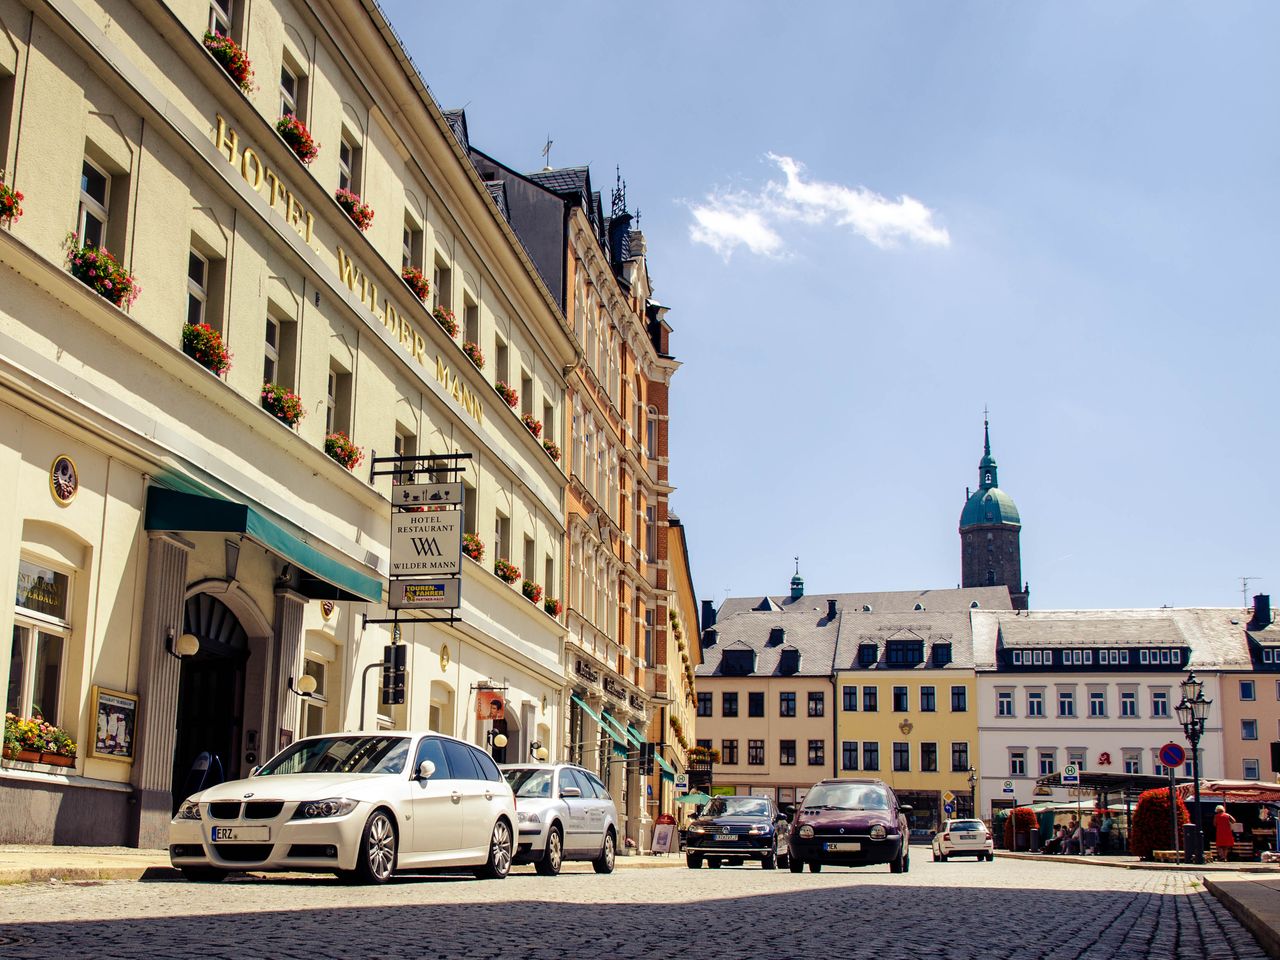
{"x":1175,"y":856}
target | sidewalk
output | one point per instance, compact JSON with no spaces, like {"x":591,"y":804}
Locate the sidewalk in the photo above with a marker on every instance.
{"x":1126,"y":862}
{"x":1255,"y":902}
{"x":32,"y":864}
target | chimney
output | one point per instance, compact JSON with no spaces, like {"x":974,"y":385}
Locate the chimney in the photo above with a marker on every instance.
{"x":708,"y":614}
{"x":1261,"y":612}
{"x":709,"y":638}
{"x":831,"y":608}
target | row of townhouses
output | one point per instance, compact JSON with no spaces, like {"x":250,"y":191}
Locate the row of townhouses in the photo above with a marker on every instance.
{"x":312,"y":267}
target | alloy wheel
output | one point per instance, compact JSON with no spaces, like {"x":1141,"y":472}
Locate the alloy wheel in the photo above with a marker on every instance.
{"x":381,"y":846}
{"x":500,"y":849}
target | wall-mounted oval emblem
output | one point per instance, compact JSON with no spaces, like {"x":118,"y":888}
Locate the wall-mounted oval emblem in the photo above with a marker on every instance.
{"x":64,"y":480}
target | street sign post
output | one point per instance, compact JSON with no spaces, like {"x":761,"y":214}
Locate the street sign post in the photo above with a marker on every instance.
{"x":1008,"y":786}
{"x":1071,"y":775}
{"x":948,"y":797}
{"x":1172,"y":756}
{"x":949,"y":808}
{"x":682,"y":783}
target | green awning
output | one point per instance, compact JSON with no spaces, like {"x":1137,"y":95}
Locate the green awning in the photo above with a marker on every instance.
{"x":323,"y":578}
{"x":616,"y":729}
{"x":636,"y":735}
{"x":585,"y":709}
{"x":600,"y":719}
{"x":664,"y":765}
{"x":668,"y":777}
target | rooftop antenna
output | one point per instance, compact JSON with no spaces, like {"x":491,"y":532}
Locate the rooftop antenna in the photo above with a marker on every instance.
{"x":546,"y":152}
{"x":1244,"y":591}
{"x":797,"y":566}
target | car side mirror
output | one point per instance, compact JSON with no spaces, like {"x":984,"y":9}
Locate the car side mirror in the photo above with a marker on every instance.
{"x":426,"y":769}
{"x":570,"y":792}
{"x":906,"y":809}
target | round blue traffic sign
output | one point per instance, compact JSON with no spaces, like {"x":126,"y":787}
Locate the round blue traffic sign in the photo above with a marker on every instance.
{"x":1172,"y":755}
{"x":949,"y":808}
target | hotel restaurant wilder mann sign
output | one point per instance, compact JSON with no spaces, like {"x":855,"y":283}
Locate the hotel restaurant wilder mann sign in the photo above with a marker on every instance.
{"x":426,"y":546}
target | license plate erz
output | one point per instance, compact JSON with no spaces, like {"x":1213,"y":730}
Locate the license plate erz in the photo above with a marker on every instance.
{"x":243,"y":834}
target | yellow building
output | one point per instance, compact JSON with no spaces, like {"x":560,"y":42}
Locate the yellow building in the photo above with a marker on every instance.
{"x":907,"y":710}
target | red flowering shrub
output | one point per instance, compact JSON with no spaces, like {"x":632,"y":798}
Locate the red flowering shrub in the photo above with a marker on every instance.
{"x":232,"y":58}
{"x":1026,"y":820}
{"x":416,"y":281}
{"x":361,"y":213}
{"x":473,"y":546}
{"x":10,"y":203}
{"x":282,"y":403}
{"x":339,"y":447}
{"x":535,"y":426}
{"x":204,"y":345}
{"x":1151,"y":827}
{"x":552,"y":448}
{"x":101,"y":272}
{"x":507,"y":571}
{"x":295,"y":133}
{"x":553,"y":606}
{"x":507,"y":393}
{"x":472,"y":350}
{"x":531,"y":590}
{"x":445,"y":319}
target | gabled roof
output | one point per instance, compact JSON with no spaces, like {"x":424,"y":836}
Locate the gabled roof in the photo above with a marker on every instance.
{"x":571,"y":181}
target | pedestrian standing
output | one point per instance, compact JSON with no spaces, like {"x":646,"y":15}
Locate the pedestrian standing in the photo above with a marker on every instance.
{"x":1104,"y":833}
{"x":1223,"y":838}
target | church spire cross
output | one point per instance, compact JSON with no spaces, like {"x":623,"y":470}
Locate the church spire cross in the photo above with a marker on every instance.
{"x":987,"y":466}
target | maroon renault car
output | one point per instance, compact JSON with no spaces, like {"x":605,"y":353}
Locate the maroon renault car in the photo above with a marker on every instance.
{"x":850,"y":823}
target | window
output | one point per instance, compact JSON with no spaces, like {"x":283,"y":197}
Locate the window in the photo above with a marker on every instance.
{"x":817,"y":703}
{"x":905,"y":653}
{"x":1066,"y":703}
{"x":278,"y":351}
{"x":348,"y":163}
{"x":869,"y":696}
{"x":755,"y":704}
{"x":1250,"y":769}
{"x":959,"y":699}
{"x":1128,"y":703}
{"x":1017,"y":763}
{"x":817,"y":753}
{"x":650,"y":432}
{"x":313,"y":707}
{"x":337,"y":401}
{"x":704,"y":744}
{"x":755,"y":753}
{"x":870,"y":755}
{"x":471,"y":327}
{"x":787,"y":753}
{"x":1132,"y":761}
{"x":1159,"y":703}
{"x":40,"y":634}
{"x":929,"y":757}
{"x":1048,"y":763}
{"x":95,"y":194}
{"x":290,"y":92}
{"x":1076,"y":756}
{"x":867,"y":655}
{"x":1247,"y":690}
{"x":928,"y":699}
{"x":411,"y":244}
{"x":900,"y":700}
{"x":442,"y":285}
{"x":220,"y":12}
{"x":704,"y":703}
{"x":1035,"y":703}
{"x":197,"y":288}
{"x":1097,"y":703}
{"x":1248,"y":729}
{"x":849,"y":755}
{"x":470,"y":521}
{"x":786,"y":704}
{"x":849,"y":700}
{"x":502,"y":538}
{"x":729,"y":704}
{"x":1004,"y":703}
{"x":942,"y":652}
{"x":729,"y":752}
{"x":901,"y":756}
{"x":959,"y":757}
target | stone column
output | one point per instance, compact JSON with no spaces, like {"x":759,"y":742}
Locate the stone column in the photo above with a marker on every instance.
{"x":158,"y":676}
{"x":286,"y":709}
{"x":635,"y":802}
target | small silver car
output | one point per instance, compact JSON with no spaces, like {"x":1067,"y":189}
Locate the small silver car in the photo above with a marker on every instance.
{"x":563,"y":813}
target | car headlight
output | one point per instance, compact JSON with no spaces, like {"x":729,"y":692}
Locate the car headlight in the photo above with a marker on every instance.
{"x":190,"y":810}
{"x":806,"y":831}
{"x":526,"y":817}
{"x":877,"y":832}
{"x":697,"y":829}
{"x":315,"y":809}
{"x":760,"y":829}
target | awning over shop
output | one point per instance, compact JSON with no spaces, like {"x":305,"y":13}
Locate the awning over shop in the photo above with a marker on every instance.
{"x":603,"y":719}
{"x":637,"y":736}
{"x":615,"y":728}
{"x":323,"y":578}
{"x":1232,"y":791}
{"x":664,"y":765}
{"x":585,"y":708}
{"x":1099,"y":782}
{"x":668,"y":778}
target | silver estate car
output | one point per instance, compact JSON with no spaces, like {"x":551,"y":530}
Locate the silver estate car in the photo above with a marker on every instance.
{"x":563,"y":813}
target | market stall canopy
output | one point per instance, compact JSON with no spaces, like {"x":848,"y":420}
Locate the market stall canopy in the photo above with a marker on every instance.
{"x":693,"y":798}
{"x":1233,"y":791}
{"x":1099,"y":782}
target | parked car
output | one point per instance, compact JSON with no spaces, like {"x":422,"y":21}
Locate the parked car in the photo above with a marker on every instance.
{"x":733,"y":830}
{"x":963,"y":838}
{"x":362,"y":805}
{"x":851,"y":823}
{"x":563,"y":813}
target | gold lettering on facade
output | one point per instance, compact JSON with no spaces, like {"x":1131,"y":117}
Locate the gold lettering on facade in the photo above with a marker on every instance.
{"x":255,"y":172}
{"x":254,"y":181}
{"x":226,"y":139}
{"x":459,"y":391}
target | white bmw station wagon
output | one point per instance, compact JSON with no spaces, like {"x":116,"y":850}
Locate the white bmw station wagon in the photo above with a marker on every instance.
{"x":361,"y":805}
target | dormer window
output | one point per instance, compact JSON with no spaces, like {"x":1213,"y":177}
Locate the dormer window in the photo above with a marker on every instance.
{"x":867,"y":655}
{"x":918,"y":606}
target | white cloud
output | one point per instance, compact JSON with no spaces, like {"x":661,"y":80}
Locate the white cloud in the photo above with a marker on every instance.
{"x":727,"y":220}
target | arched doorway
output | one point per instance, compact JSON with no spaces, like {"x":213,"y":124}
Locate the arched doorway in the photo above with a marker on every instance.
{"x":210,"y":716}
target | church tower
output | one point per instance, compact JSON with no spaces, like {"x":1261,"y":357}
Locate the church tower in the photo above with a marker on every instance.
{"x":990,"y":528}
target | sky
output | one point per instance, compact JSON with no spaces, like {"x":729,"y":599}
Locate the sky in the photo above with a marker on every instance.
{"x":872,"y":220}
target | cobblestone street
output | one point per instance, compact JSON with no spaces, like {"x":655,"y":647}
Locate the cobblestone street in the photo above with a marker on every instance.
{"x":1007,"y":909}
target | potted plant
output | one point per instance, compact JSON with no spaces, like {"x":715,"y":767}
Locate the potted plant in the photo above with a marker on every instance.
{"x":282,"y":403}
{"x":21,"y":739}
{"x":339,"y":447}
{"x":507,"y":393}
{"x":531,"y":590}
{"x":361,"y":213}
{"x":506,"y":571}
{"x":552,"y":448}
{"x":472,"y":350}
{"x":473,"y":546}
{"x":445,"y":319}
{"x":553,"y":606}
{"x":295,"y":133}
{"x":534,"y":426}
{"x":101,"y":272}
{"x":1152,"y":829}
{"x":10,"y":203}
{"x":204,"y":345}
{"x":232,"y":58}
{"x":416,"y":281}
{"x":58,"y":748}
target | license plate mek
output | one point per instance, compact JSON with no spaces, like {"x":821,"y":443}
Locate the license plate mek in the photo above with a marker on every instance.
{"x":843,"y":846}
{"x":243,"y":834}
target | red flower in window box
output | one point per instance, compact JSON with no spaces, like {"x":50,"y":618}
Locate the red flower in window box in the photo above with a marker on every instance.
{"x":506,"y":571}
{"x":232,"y":58}
{"x":553,"y":606}
{"x":204,"y":345}
{"x":472,"y":350}
{"x":552,"y":448}
{"x":448,"y":324}
{"x":10,"y":203}
{"x":101,"y":272}
{"x":473,"y":546}
{"x":361,"y":213}
{"x":535,"y":426}
{"x":295,"y":133}
{"x":339,"y":447}
{"x":531,"y":590}
{"x":282,"y":403}
{"x":416,"y":281}
{"x":507,"y":393}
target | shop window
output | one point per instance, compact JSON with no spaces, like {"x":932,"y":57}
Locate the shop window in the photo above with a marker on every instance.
{"x":41,"y":631}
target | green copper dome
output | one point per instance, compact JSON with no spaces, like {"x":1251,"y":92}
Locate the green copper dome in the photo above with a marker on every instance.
{"x":988,"y":504}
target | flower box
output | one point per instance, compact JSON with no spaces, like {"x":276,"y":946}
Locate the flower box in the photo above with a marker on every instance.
{"x":531,"y":590}
{"x":507,"y":393}
{"x":232,"y":58}
{"x":472,"y":350}
{"x":10,"y":203}
{"x":553,"y":606}
{"x":340,"y":448}
{"x":361,"y":213}
{"x":552,"y":448}
{"x":534,"y":426}
{"x":416,"y":281}
{"x":282,"y":403}
{"x":447,"y":323}
{"x":473,"y":546}
{"x":295,"y":133}
{"x":101,"y":272}
{"x":22,"y":756}
{"x":36,"y":740}
{"x":57,"y":759}
{"x":506,"y":571}
{"x":204,"y":345}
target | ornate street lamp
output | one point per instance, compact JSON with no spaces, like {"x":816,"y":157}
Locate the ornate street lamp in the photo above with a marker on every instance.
{"x":973,"y":793}
{"x":1193,"y":711}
